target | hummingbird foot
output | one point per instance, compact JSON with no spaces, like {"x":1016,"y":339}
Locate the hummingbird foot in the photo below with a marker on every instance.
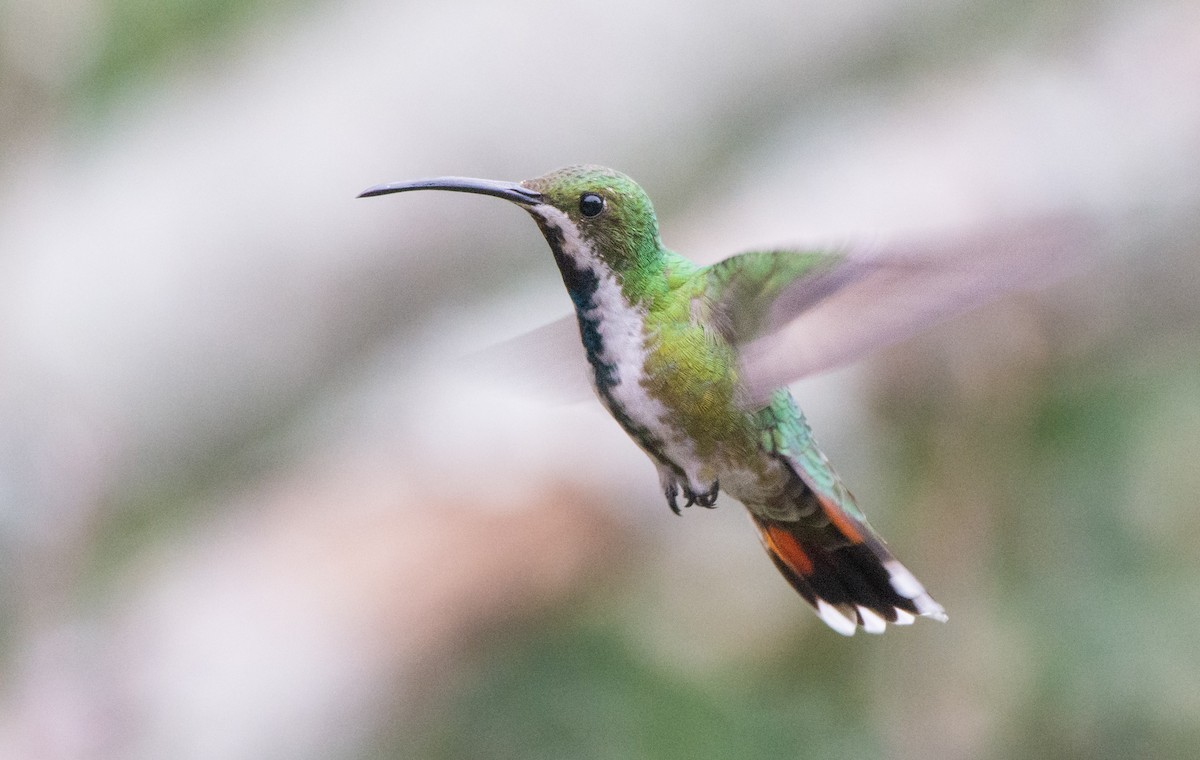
{"x":709,"y":498}
{"x":706,"y":499}
{"x":671,"y":490}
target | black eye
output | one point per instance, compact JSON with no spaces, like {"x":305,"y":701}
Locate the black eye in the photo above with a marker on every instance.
{"x":591,"y":204}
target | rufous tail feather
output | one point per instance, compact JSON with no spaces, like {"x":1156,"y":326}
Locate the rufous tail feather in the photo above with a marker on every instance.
{"x":852,"y":582}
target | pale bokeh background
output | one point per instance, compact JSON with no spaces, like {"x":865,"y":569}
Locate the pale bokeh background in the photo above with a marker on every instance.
{"x":253,"y":506}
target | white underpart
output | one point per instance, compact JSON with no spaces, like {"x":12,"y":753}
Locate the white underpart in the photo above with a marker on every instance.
{"x":622,"y":332}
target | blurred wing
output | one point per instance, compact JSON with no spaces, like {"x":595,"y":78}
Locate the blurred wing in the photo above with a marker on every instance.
{"x":752,"y":294}
{"x":874,"y":298}
{"x":547,"y":363}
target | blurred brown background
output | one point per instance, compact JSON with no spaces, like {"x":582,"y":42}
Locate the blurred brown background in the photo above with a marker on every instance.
{"x":253,"y":505}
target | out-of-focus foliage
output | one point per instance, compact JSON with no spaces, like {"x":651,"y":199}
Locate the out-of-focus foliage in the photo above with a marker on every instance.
{"x":70,"y":60}
{"x":249,"y":508}
{"x":138,"y":37}
{"x":576,"y":690}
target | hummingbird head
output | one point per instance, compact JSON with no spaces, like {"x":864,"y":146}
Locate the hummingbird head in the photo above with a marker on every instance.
{"x":596,"y":220}
{"x":595,"y":216}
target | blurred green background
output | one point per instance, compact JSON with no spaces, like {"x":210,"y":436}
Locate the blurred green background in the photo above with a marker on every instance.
{"x":253,"y":503}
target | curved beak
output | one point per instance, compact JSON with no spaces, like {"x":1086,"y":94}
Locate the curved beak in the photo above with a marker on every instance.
{"x":509,"y":191}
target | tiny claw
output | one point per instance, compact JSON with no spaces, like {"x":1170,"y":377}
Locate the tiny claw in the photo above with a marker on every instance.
{"x":703,"y":499}
{"x":709,"y":498}
{"x":672,"y":494}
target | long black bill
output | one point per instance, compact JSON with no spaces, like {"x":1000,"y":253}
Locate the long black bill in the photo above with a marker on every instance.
{"x":509,"y":191}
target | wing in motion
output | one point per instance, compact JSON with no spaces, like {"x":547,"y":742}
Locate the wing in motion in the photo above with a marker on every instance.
{"x":866,"y":300}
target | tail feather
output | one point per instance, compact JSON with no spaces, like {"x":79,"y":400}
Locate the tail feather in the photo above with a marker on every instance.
{"x":822,"y":543}
{"x":852,"y":582}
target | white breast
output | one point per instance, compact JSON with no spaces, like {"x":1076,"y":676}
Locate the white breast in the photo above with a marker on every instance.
{"x":623,"y":347}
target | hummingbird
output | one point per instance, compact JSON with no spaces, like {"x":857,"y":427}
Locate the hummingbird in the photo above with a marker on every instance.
{"x":692,"y":362}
